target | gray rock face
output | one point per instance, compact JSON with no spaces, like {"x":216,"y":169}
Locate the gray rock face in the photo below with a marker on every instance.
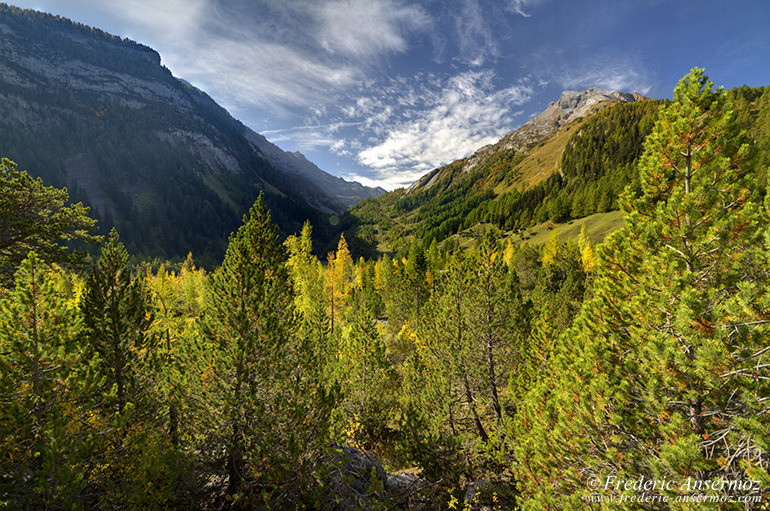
{"x":571,"y":106}
{"x":39,"y":78}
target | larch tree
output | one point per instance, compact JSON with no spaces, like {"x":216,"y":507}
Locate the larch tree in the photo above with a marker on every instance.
{"x":339,"y":282}
{"x":311,"y":299}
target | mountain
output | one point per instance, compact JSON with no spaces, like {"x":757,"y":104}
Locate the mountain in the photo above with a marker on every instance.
{"x":570,"y":161}
{"x":571,"y":106}
{"x":153,"y":156}
{"x":330,"y":193}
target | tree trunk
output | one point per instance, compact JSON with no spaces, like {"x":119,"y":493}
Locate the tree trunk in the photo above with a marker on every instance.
{"x":476,"y":420}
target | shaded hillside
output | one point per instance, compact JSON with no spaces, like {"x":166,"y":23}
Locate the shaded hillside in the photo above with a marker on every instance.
{"x":152,"y":155}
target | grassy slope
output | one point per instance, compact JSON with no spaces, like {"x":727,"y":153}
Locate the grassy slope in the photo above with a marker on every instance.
{"x":538,"y":164}
{"x":598,"y":227}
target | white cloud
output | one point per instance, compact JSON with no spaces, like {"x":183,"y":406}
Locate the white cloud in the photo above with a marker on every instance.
{"x":475,"y":40}
{"x":389,"y":181}
{"x":609,"y":73}
{"x":365,"y":29}
{"x":522,"y":7}
{"x":312,"y":137}
{"x":264,"y":74}
{"x":170,"y":19}
{"x":452,"y":122}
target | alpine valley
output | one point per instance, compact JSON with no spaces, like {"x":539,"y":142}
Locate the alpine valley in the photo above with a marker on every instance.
{"x":574,"y":317}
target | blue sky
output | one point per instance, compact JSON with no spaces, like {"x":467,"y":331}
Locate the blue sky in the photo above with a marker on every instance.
{"x":382,"y":91}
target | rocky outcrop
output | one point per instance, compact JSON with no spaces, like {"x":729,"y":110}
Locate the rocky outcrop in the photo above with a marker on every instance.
{"x":357,"y":479}
{"x":571,"y":106}
{"x":359,"y":482}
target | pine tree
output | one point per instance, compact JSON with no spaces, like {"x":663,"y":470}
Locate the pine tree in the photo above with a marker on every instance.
{"x":273,"y":415}
{"x":469,"y":341}
{"x":116,"y":310}
{"x":42,"y":444}
{"x":661,"y":377}
{"x":366,"y":377}
{"x":35,"y":217}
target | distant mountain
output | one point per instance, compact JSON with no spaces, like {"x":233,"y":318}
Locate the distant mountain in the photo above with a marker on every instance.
{"x":330,"y":193}
{"x":153,"y":155}
{"x":570,"y":161}
{"x":571,"y":106}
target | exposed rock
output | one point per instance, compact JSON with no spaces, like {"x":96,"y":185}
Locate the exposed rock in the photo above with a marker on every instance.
{"x":355,"y":480}
{"x":215,"y":156}
{"x":326,"y":192}
{"x":472,"y":496}
{"x":144,"y":148}
{"x":571,"y":106}
{"x":403,"y":481}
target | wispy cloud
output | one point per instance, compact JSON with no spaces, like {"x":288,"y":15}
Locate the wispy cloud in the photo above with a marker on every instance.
{"x":452,"y":120}
{"x":614,"y":73}
{"x":270,"y":54}
{"x":365,"y":29}
{"x":523,"y":7}
{"x":312,"y":137}
{"x":269,"y":75}
{"x":475,"y":40}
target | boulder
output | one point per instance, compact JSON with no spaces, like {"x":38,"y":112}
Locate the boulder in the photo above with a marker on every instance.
{"x":355,"y":480}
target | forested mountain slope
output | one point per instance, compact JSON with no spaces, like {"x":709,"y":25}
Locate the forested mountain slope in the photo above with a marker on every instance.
{"x":152,"y":155}
{"x":571,"y":161}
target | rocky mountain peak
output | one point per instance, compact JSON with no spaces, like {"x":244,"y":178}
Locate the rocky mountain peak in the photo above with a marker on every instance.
{"x":570,"y":106}
{"x":574,"y":104}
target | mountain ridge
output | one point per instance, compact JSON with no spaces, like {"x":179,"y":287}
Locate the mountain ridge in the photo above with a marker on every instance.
{"x":154,"y":155}
{"x":520,"y":180}
{"x":341,"y":194}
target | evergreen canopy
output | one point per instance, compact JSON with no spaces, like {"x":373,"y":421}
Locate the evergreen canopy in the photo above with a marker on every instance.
{"x":35,"y":217}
